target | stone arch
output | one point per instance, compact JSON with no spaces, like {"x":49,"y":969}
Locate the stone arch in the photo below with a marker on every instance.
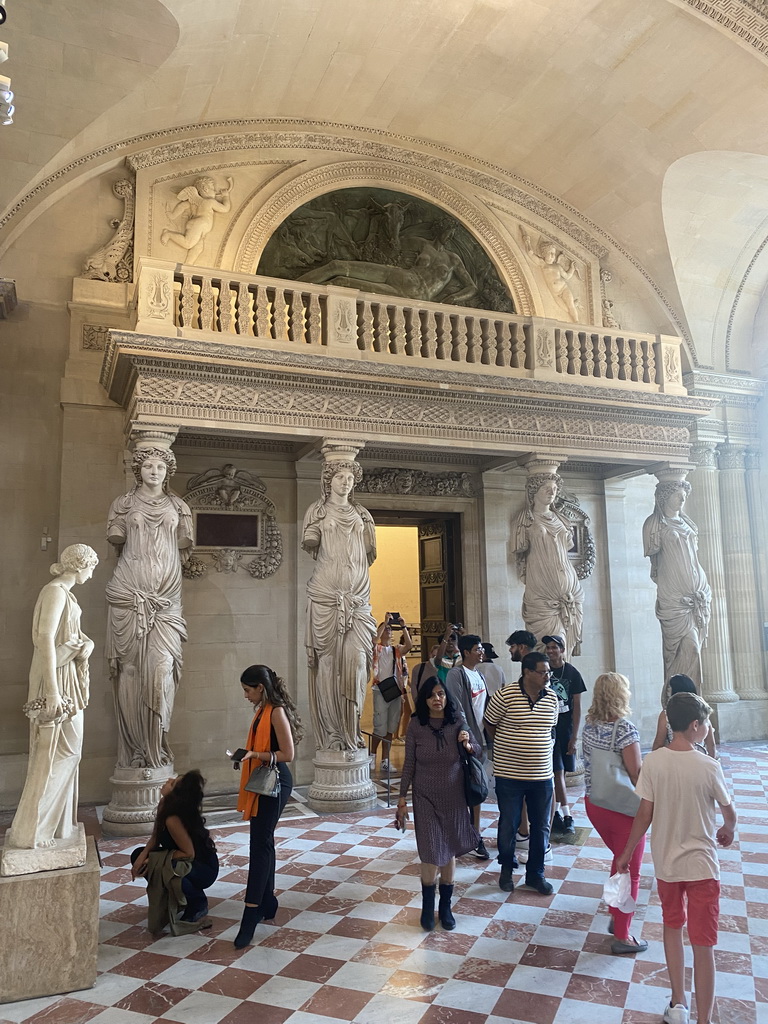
{"x":350,"y":174}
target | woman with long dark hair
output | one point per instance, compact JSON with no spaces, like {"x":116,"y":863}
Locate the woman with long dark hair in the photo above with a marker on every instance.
{"x":180,"y":828}
{"x":274,"y":731}
{"x":444,"y":829}
{"x":680,"y":683}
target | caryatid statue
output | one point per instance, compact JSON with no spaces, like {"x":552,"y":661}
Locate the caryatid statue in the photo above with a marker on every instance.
{"x":58,"y":696}
{"x":553,"y":600}
{"x":340,"y":535}
{"x":683,"y":597}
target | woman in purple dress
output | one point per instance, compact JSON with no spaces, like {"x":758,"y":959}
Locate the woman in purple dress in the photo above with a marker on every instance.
{"x":444,"y":829}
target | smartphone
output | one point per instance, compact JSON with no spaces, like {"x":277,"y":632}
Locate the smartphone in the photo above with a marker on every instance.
{"x":237,"y":755}
{"x":394,"y":616}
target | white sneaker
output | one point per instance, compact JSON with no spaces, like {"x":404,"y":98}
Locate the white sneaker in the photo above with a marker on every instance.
{"x":385,"y":766}
{"x":677,"y":1014}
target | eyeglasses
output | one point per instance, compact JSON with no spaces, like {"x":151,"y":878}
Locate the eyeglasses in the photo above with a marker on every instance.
{"x":542,"y":671}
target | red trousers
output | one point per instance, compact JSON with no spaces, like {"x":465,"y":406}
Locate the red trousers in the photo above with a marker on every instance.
{"x":614,"y":828}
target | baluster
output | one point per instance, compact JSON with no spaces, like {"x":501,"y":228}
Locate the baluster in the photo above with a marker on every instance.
{"x":243,"y":309}
{"x":297,"y":324}
{"x":428,"y":334}
{"x":613,"y":345}
{"x":633,"y":353}
{"x":380,"y":327}
{"x":408,"y":331}
{"x":587,"y":358}
{"x":515,"y":332}
{"x":223,"y":320}
{"x":206,"y":304}
{"x":314,"y":320}
{"x":398,"y":329}
{"x":602,"y":359}
{"x":188,"y":303}
{"x":263,"y":318}
{"x":443,"y":327}
{"x":459,"y":353}
{"x":502,"y":330}
{"x":625,"y":365}
{"x":366,"y":327}
{"x":473,"y":346}
{"x":279,"y":315}
{"x":651,"y":361}
{"x":561,"y":350}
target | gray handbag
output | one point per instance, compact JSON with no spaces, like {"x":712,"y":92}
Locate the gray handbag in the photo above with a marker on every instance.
{"x":265,"y":779}
{"x":611,"y":786}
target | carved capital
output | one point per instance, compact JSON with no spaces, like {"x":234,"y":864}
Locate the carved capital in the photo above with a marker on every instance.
{"x":703,"y":454}
{"x":752,"y":458}
{"x":731,"y":456}
{"x":537,"y":462}
{"x":146,"y":436}
{"x":341,"y":450}
{"x":670,"y":473}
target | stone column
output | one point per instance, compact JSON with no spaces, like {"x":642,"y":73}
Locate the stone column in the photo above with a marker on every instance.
{"x":342,"y":780}
{"x":136,"y":791}
{"x":759,"y":542}
{"x":704,"y":509}
{"x":740,"y":578}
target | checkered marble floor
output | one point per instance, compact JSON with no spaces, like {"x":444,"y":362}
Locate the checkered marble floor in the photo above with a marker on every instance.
{"x":346,"y":944}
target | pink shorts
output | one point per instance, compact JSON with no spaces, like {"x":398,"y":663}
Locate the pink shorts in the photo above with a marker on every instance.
{"x":703,"y":900}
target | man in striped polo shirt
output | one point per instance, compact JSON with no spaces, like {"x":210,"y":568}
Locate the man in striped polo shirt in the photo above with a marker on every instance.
{"x":520,"y":722}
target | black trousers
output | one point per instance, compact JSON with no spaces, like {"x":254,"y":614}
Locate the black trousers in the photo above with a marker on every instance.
{"x":261,"y":868}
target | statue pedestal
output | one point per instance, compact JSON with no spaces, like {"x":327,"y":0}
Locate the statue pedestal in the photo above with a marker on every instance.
{"x":744,"y":720}
{"x":49,"y":931}
{"x":65,"y":853}
{"x":342,"y":782}
{"x":135,"y":796}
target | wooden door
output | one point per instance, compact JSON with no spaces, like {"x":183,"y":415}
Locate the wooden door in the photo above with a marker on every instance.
{"x":439,"y":580}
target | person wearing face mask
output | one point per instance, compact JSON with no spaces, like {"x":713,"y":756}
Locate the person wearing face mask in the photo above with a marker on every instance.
{"x":444,"y":829}
{"x":274,"y":731}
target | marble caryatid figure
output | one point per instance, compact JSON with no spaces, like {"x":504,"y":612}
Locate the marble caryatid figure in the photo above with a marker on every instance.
{"x":199,"y":204}
{"x":341,"y":537}
{"x":553,"y":600}
{"x":151,"y":530}
{"x":58,"y":697}
{"x":683,"y":597}
{"x":557,"y":273}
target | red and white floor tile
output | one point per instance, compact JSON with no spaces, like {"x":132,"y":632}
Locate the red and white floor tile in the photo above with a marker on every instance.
{"x":346,"y":944}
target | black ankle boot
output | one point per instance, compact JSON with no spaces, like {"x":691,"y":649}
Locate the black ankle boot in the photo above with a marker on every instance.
{"x":251,"y":917}
{"x":269,"y":907}
{"x":447,"y":920}
{"x":428,"y":907}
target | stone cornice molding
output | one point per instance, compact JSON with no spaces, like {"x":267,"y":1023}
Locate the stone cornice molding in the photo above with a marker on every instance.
{"x":349,"y":174}
{"x":725,"y":387}
{"x":196,"y":139}
{"x":746,"y":20}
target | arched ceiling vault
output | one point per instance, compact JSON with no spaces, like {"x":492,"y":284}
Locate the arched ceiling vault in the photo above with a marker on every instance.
{"x":592,"y":102}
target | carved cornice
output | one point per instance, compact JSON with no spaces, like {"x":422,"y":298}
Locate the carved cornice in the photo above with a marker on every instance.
{"x":246,"y":445}
{"x":730,"y":389}
{"x":319,"y":135}
{"x":395,"y":480}
{"x":747,"y":20}
{"x":7,"y":297}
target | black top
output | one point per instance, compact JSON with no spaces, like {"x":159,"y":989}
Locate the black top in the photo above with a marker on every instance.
{"x":566,"y":681}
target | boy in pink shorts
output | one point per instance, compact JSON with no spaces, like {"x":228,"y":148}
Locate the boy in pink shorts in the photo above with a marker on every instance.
{"x":679,"y":787}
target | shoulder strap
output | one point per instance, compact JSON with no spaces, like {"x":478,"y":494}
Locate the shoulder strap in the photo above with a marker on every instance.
{"x":613,"y":734}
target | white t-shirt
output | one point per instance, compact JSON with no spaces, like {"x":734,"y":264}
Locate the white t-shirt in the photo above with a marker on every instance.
{"x":684,"y":787}
{"x":478,"y":693}
{"x":493,"y":675}
{"x":386,"y":662}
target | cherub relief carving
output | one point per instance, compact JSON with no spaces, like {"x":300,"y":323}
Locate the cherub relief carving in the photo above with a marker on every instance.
{"x":198,"y":203}
{"x":557,"y":270}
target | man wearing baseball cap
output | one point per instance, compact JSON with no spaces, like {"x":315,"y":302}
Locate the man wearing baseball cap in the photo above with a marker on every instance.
{"x":567,"y":683}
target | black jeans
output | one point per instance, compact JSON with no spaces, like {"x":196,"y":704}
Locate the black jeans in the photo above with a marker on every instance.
{"x":261,"y":867}
{"x":201,"y":876}
{"x":510,"y":794}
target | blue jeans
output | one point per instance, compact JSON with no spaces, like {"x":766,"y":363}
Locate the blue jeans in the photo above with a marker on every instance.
{"x":510,"y":794}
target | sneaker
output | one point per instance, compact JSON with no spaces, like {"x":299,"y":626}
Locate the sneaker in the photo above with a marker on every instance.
{"x":568,"y":830}
{"x":632,"y":945}
{"x":541,"y":886}
{"x":505,"y":880}
{"x":557,"y":823}
{"x":480,"y":851}
{"x":385,"y":766}
{"x":521,"y":848}
{"x":676,"y":1014}
{"x":548,"y":855}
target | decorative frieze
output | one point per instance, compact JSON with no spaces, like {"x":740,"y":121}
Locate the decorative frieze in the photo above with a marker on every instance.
{"x":414,"y":481}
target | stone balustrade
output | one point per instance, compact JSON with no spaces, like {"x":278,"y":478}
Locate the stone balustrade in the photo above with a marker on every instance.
{"x":173,"y":299}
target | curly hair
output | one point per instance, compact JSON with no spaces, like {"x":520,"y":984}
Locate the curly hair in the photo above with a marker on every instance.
{"x":330,"y":469}
{"x":74,"y":558}
{"x":141,"y":455}
{"x":534,"y":482}
{"x":610,"y":698}
{"x":275,"y":693}
{"x":185,"y":801}
{"x":666,"y":489}
{"x":422,"y":708}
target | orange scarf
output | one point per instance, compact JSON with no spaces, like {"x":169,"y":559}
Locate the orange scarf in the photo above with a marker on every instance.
{"x":259,"y":738}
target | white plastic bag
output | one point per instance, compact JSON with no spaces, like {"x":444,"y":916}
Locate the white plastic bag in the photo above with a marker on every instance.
{"x":616,"y":893}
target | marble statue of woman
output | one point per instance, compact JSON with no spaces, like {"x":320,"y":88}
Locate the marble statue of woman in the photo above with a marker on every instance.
{"x":58,"y":696}
{"x":553,"y":600}
{"x":151,"y":530}
{"x":340,"y":536}
{"x":683,"y":597}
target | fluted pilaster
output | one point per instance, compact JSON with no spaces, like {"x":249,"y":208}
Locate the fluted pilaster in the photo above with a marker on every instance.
{"x":740,"y":577}
{"x":704,"y":509}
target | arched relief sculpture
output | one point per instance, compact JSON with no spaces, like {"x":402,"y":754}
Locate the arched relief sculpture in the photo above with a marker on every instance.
{"x":193,"y":214}
{"x":113,"y":261}
{"x":683,"y":595}
{"x":557,"y":271}
{"x":379,"y":240}
{"x":59,"y":684}
{"x":234,"y":518}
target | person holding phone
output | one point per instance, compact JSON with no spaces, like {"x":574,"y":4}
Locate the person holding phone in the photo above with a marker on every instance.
{"x":388,"y":665}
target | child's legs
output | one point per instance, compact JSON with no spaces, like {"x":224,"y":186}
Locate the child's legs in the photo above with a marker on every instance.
{"x":675,"y":957}
{"x":614,"y":828}
{"x":704,"y":982}
{"x":703,"y":899}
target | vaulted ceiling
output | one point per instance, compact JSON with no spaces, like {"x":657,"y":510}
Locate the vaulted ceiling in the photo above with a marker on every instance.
{"x":650,"y":120}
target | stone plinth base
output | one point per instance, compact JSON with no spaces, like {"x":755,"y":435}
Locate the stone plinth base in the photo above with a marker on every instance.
{"x":49,"y":931}
{"x":342,"y":782}
{"x":65,"y":853}
{"x":744,"y":720}
{"x":135,"y":796}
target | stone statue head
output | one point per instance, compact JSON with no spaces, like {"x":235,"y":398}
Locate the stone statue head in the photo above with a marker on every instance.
{"x":671,"y":495}
{"x":539,"y":480}
{"x":75,"y":558}
{"x":547,"y":250}
{"x":206,"y":187}
{"x":330,"y":469}
{"x":141,"y":455}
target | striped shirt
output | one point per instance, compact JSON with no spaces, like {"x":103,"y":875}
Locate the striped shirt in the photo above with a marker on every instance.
{"x":522,"y":746}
